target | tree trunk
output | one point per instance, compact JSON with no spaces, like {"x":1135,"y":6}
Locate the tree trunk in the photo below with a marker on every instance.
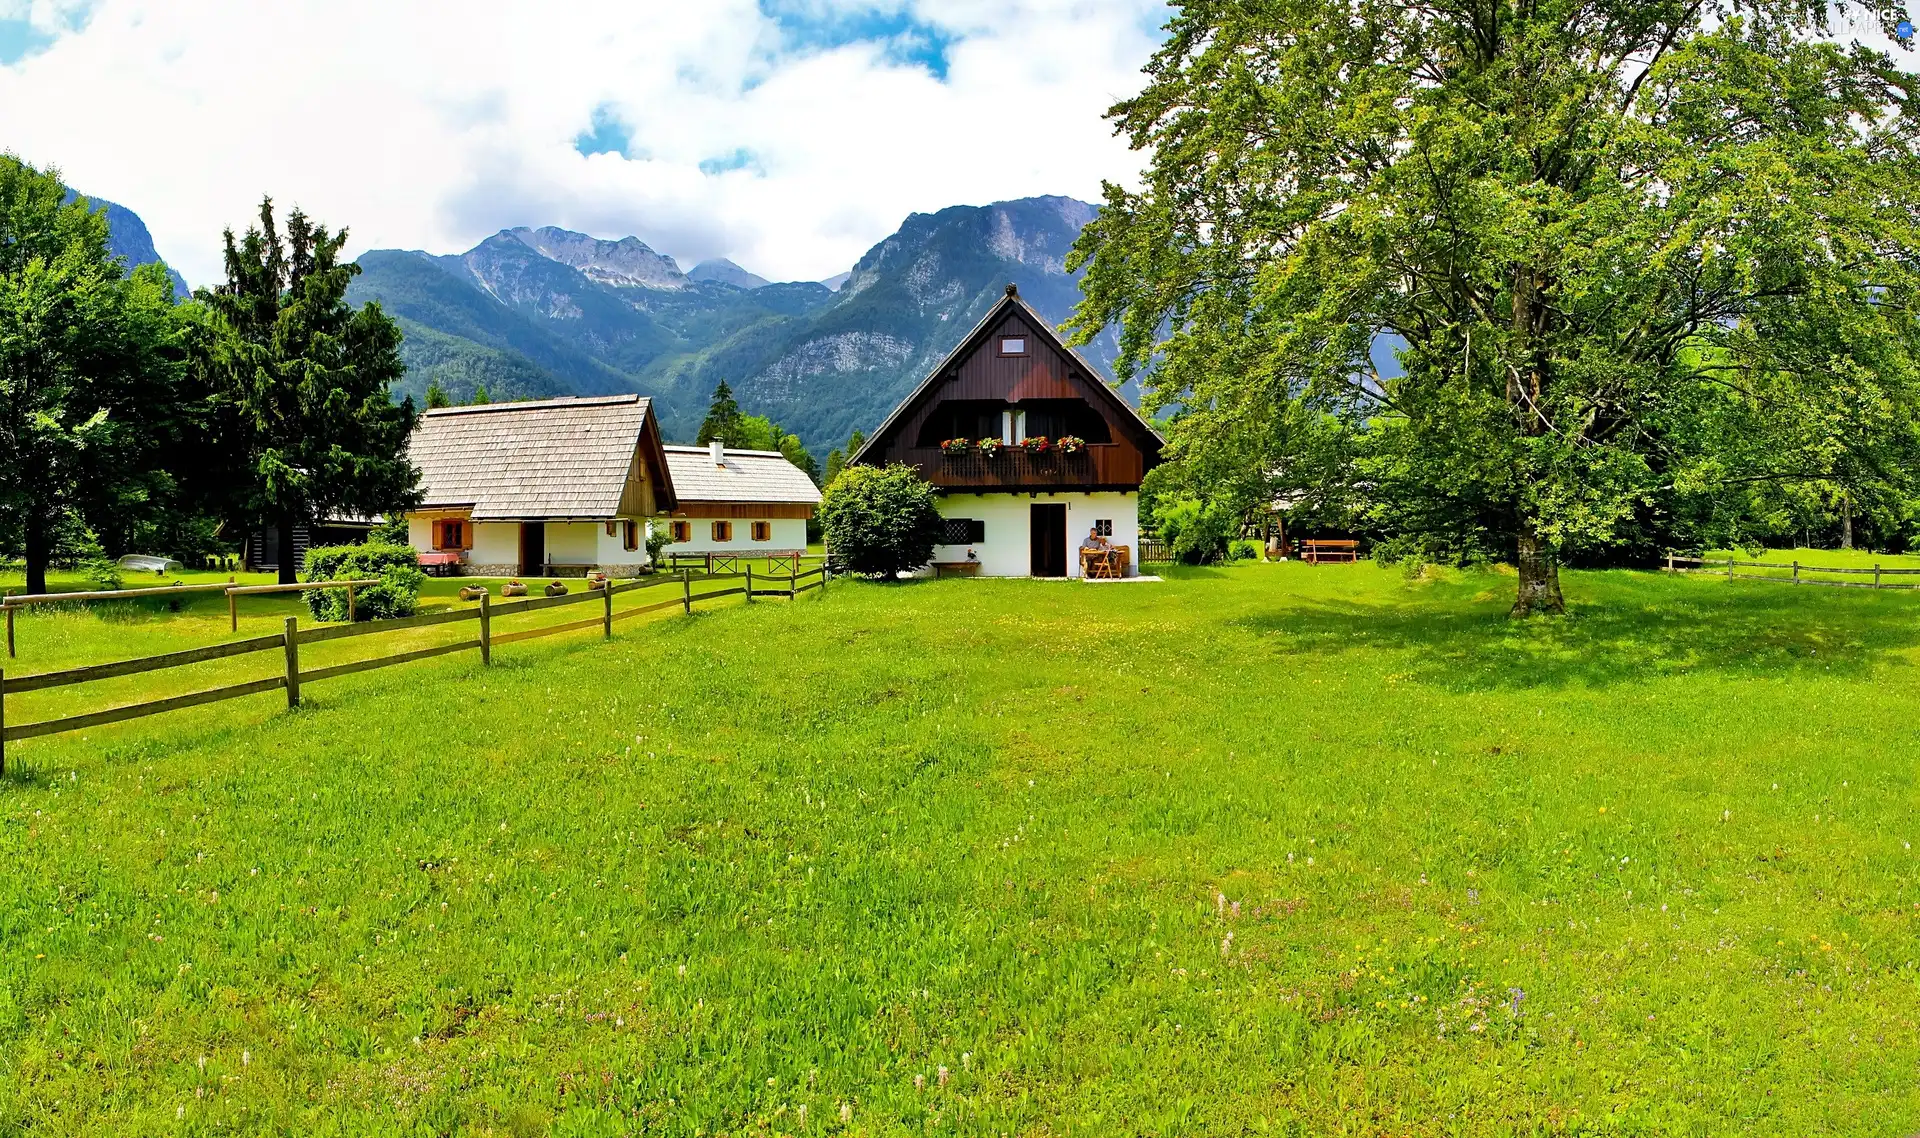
{"x":1846,"y":521}
{"x":39,"y":550}
{"x":289,"y":574}
{"x":1539,"y":577}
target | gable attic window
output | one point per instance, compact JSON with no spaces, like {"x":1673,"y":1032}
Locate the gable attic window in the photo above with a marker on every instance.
{"x":1013,"y":345}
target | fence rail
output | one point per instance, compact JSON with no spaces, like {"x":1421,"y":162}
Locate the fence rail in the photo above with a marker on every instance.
{"x":13,"y":603}
{"x":293,"y":638}
{"x":1729,"y":568}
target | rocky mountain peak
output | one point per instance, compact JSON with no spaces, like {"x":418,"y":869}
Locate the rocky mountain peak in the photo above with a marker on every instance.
{"x":626,"y":263}
{"x":719,"y":270}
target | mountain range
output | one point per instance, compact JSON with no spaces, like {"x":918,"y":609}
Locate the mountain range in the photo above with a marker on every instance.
{"x":127,"y":237}
{"x":541,"y":312}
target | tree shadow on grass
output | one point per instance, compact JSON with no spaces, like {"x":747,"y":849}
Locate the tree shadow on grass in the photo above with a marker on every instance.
{"x":1641,"y":628}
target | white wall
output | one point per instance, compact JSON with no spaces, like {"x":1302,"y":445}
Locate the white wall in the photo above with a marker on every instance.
{"x":788,"y":534}
{"x":495,"y":543}
{"x":1008,"y":549}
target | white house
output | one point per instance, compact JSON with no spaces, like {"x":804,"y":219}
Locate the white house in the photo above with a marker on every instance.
{"x":744,"y":502}
{"x":552,"y":488}
{"x":1028,"y":447}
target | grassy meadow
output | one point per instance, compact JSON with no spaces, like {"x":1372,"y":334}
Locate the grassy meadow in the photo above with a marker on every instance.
{"x":1263,"y":849}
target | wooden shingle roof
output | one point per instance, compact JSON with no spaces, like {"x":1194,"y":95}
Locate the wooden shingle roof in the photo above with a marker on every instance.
{"x":553,"y":458}
{"x":745,"y":476}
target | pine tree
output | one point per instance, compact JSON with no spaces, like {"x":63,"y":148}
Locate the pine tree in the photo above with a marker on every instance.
{"x":480,"y":396}
{"x":836,"y":462}
{"x":437,"y":396}
{"x":723,"y":418}
{"x":308,"y":377}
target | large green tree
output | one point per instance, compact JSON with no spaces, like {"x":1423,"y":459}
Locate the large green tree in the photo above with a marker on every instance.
{"x":723,"y":418}
{"x":91,"y":362}
{"x":307,"y":378}
{"x":1650,"y":262}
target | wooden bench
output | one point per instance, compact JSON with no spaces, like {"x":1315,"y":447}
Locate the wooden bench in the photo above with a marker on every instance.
{"x":956,"y":569}
{"x":1315,"y":550}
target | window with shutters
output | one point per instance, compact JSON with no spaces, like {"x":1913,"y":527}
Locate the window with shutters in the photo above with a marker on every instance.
{"x":450,"y":534}
{"x":682,"y":531}
{"x":723,"y":531}
{"x":630,"y":535}
{"x":763,"y":531}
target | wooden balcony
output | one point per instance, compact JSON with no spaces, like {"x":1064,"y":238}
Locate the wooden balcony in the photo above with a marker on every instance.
{"x":1098,"y":466}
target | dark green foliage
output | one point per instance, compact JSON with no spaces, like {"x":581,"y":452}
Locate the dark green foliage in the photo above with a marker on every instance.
{"x":307,"y":379}
{"x":1196,"y":532}
{"x":92,"y":380}
{"x":880,"y":520}
{"x":437,"y":396}
{"x":396,"y":567}
{"x":1650,"y":267}
{"x":390,"y":531}
{"x":723,"y":419}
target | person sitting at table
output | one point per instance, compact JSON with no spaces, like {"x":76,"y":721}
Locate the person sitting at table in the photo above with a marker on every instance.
{"x":1094,"y":543}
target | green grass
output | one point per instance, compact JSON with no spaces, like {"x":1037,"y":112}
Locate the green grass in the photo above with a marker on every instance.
{"x":1263,"y":849}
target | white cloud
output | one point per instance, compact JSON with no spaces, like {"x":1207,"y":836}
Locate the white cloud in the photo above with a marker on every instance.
{"x":429,"y":125}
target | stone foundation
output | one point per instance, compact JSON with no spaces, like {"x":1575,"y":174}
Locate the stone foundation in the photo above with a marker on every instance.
{"x":553,"y":571}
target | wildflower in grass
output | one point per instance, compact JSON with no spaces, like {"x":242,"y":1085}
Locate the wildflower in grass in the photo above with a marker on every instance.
{"x":1219,"y":903}
{"x":944,"y":1076}
{"x":1518,"y":995}
{"x":919,"y":1082}
{"x":846,"y":1113}
{"x":1235,"y":907}
{"x":772,"y":1083}
{"x":800,"y":1113}
{"x":1226,"y":946}
{"x":966,"y":1060}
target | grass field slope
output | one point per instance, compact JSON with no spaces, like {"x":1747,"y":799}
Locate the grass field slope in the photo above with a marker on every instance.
{"x":1261,"y":850}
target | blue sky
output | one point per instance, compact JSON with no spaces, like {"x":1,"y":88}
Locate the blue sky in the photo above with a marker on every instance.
{"x":786,"y":135}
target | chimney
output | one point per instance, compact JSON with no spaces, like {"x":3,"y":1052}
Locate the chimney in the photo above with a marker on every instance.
{"x":719,"y":449}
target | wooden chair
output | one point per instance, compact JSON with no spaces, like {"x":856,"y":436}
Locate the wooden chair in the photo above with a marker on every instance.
{"x":1099,"y":564}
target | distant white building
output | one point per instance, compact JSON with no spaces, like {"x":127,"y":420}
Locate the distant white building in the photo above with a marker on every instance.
{"x":553,"y":488}
{"x":744,"y":502}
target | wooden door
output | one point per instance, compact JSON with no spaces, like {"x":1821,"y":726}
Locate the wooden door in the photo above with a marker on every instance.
{"x":533,"y":548}
{"x":1049,"y":537}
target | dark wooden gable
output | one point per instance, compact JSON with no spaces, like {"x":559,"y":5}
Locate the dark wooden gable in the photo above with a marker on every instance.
{"x":963,"y":396}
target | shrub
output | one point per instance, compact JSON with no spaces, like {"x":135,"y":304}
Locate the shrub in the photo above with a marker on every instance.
{"x":1243,"y":551}
{"x":659,"y":536}
{"x":395,"y":567}
{"x":1196,"y":532}
{"x":880,"y":520}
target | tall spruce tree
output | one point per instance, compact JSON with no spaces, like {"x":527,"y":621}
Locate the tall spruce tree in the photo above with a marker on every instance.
{"x":91,"y":363}
{"x":723,"y":418}
{"x":1653,"y":262}
{"x":308,"y":378}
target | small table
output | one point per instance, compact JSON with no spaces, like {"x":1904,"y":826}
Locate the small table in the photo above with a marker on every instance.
{"x":1100,"y":564}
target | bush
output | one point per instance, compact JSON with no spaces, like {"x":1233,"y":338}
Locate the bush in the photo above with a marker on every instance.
{"x":396,"y":567}
{"x":1196,"y":532}
{"x":659,"y":536}
{"x":880,"y":520}
{"x":1243,"y":551}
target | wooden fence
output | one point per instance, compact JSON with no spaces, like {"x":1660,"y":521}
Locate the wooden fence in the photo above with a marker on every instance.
{"x":13,"y":604}
{"x":293,"y":637}
{"x":1729,"y":569}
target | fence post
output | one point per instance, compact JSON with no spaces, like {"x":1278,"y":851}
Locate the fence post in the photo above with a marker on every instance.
{"x":10,"y":610}
{"x":351,"y":614}
{"x":1876,"y":574}
{"x":3,"y":721}
{"x":1729,"y":568}
{"x":793,"y":581}
{"x":1796,"y":571}
{"x":233,"y":611}
{"x":1669,"y":560}
{"x":293,"y":662}
{"x":606,"y":594}
{"x":486,"y":629}
{"x":686,"y":589}
{"x":749,"y":584}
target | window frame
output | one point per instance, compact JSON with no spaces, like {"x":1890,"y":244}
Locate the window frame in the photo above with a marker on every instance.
{"x":1103,"y":527}
{"x":1020,"y":340}
{"x":450,"y":534}
{"x":722,"y":532}
{"x":629,"y":535}
{"x":760,"y":531}
{"x":680,"y":532}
